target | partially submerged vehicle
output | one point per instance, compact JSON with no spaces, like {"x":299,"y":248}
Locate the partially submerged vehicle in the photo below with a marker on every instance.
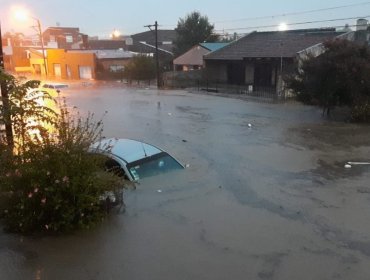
{"x":135,"y":159}
{"x":132,"y":160}
{"x":56,"y":86}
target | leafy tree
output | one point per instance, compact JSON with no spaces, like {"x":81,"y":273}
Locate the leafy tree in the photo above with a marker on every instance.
{"x":140,"y":68}
{"x":337,"y":77}
{"x":192,"y":30}
{"x":50,"y":182}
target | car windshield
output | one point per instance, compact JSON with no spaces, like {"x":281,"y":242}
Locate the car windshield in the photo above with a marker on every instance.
{"x":153,"y":165}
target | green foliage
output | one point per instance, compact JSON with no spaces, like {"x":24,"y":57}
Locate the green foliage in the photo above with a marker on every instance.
{"x":192,"y":30}
{"x":50,"y":182}
{"x":338,"y":77}
{"x":361,"y":111}
{"x":29,"y":113}
{"x":140,"y":68}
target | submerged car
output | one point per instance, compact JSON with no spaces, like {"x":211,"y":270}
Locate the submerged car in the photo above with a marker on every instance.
{"x":135,"y":159}
{"x":55,"y":86}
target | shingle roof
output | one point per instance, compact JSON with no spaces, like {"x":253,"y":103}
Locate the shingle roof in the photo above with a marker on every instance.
{"x":194,"y":56}
{"x":273,"y":44}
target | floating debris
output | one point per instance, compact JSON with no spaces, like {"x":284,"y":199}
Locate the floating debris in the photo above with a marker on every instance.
{"x":170,"y":114}
{"x":187,"y":165}
{"x":347,"y":166}
{"x":358,"y":163}
{"x":250,"y":125}
{"x":159,"y":191}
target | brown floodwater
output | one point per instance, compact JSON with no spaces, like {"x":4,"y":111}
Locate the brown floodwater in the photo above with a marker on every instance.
{"x":269,"y":200}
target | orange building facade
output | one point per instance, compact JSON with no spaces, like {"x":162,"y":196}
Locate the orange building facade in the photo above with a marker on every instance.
{"x":71,"y":65}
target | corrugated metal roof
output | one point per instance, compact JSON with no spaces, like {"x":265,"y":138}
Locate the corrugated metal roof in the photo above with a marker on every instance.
{"x":273,"y":44}
{"x":107,"y":54}
{"x":213,"y":46}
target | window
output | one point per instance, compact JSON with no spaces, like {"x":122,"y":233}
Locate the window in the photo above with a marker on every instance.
{"x":116,"y":68}
{"x":57,"y":70}
{"x":153,"y":165}
{"x":69,"y":38}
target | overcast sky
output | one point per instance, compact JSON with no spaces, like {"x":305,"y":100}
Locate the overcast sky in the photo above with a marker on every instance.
{"x":101,"y":17}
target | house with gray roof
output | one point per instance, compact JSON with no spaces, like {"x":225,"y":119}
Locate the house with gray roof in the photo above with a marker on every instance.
{"x":259,"y":60}
{"x":193,"y":58}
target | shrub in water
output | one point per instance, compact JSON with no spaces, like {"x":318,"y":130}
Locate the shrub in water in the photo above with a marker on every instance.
{"x":50,"y":182}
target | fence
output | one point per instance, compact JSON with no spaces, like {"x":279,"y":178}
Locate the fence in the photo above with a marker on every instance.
{"x":193,"y":80}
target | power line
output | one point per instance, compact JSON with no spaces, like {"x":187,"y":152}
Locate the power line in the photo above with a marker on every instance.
{"x":274,"y":16}
{"x":323,"y":27}
{"x":297,"y":13}
{"x":289,"y":14}
{"x":292,"y":24}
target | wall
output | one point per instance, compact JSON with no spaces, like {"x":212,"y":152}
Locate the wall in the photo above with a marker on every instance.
{"x":73,"y":60}
{"x":106,"y":63}
{"x":216,"y":71}
{"x":249,"y":73}
{"x":18,"y":58}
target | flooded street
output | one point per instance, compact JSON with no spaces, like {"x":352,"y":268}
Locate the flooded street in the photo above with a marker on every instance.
{"x":265,"y":196}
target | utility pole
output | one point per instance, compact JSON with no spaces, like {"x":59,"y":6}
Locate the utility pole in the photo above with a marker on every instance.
{"x":5,"y":100}
{"x":155,"y":25}
{"x":39,"y":31}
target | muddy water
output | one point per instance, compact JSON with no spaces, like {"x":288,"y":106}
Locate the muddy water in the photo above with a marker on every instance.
{"x":270,"y":201}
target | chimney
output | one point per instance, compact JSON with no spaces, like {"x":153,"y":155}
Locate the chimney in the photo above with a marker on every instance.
{"x":361,"y":31}
{"x":85,"y":41}
{"x":361,"y":24}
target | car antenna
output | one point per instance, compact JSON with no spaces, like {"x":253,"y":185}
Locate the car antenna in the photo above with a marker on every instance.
{"x":142,"y":145}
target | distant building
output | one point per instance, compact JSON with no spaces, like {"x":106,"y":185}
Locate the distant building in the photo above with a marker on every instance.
{"x":144,"y":43}
{"x":193,"y":58}
{"x":259,"y":60}
{"x":64,"y":38}
{"x":87,"y":64}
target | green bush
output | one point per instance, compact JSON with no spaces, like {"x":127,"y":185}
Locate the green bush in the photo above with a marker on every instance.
{"x":360,"y":112}
{"x":50,"y":182}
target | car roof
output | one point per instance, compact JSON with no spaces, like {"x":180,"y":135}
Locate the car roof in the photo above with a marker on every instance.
{"x":127,"y":149}
{"x":54,"y":85}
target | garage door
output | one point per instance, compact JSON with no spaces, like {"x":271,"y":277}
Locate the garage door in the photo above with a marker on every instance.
{"x":85,"y":72}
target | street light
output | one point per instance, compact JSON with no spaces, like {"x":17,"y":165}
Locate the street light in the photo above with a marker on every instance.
{"x":22,"y":15}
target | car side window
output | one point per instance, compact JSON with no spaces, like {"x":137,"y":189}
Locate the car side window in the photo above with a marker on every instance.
{"x":113,"y":166}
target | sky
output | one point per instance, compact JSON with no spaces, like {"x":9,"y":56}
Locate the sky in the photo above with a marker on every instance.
{"x":101,"y":17}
